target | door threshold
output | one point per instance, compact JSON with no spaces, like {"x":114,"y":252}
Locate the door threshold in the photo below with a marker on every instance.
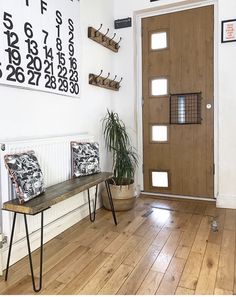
{"x":178,"y":196}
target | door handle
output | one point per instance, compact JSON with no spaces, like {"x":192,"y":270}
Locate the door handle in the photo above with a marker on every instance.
{"x":208,"y":106}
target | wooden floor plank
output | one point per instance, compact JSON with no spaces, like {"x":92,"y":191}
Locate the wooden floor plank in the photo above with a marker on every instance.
{"x":151,"y":283}
{"x":166,"y":254}
{"x":184,"y":291}
{"x":155,"y":220}
{"x":22,"y":287}
{"x":78,"y":281}
{"x":62,"y":266}
{"x":207,"y":277}
{"x":125,"y":235}
{"x":132,"y":284}
{"x":171,"y":278}
{"x":191,"y":271}
{"x":200,"y":208}
{"x":97,"y":282}
{"x":54,"y":287}
{"x":188,"y":237}
{"x":225,"y":273}
{"x":77,"y":266}
{"x":223,"y":292}
{"x":57,"y":257}
{"x":116,"y":281}
{"x":161,"y":238}
{"x":145,"y":242}
{"x":104,"y":241}
{"x":201,"y":238}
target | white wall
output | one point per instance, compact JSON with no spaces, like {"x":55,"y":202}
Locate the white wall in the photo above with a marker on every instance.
{"x":227,"y":108}
{"x":225,"y":142}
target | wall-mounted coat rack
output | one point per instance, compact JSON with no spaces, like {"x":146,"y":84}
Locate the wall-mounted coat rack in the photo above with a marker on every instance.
{"x":103,"y":39}
{"x":104,"y":82}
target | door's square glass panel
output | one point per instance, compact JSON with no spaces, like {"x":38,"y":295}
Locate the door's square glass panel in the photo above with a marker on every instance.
{"x":160,"y":133}
{"x":159,"y":87}
{"x":159,"y":40}
{"x":160,"y":179}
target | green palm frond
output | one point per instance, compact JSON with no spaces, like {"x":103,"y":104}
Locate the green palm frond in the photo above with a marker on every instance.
{"x":117,"y":140}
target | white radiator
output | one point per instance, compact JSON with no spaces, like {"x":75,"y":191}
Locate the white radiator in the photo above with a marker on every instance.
{"x":55,"y":161}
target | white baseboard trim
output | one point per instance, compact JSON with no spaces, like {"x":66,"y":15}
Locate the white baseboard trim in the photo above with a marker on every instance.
{"x":226,"y":201}
{"x":19,"y":248}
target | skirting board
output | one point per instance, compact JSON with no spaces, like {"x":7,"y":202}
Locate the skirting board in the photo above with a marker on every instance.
{"x":226,"y":201}
{"x":19,"y":248}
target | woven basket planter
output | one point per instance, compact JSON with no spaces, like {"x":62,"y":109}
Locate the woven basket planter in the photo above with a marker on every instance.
{"x":124,"y":197}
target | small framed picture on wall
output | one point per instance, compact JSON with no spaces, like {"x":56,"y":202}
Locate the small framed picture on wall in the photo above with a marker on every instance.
{"x":228,"y":31}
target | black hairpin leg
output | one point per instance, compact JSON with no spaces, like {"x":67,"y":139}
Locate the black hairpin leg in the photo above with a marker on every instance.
{"x":93,"y":215}
{"x":29,"y":252}
{"x":10,"y":246}
{"x":111,"y":201}
{"x":30,"y":257}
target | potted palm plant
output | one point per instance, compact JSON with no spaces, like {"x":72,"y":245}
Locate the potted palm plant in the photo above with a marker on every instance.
{"x":125,"y":160}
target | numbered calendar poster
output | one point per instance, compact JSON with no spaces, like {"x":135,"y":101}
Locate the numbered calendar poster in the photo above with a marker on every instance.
{"x":39,"y":45}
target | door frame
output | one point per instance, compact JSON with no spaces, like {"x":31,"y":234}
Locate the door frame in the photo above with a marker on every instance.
{"x":160,"y":10}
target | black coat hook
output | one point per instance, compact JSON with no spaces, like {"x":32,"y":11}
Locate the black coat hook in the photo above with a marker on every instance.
{"x":117,"y":45}
{"x":111,"y":82}
{"x":104,"y":36}
{"x":98,"y":30}
{"x":112,"y":38}
{"x":118,"y":83}
{"x":106,"y":77}
{"x":96,"y":77}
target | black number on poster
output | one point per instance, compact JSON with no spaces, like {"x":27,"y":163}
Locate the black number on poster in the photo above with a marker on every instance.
{"x":63,"y":85}
{"x":34,"y":63}
{"x":28,"y":30}
{"x":74,"y":88}
{"x":7,"y":17}
{"x":62,"y":72}
{"x":15,"y":73}
{"x":48,"y":53}
{"x":61,"y":58}
{"x":45,"y":37}
{"x":74,"y":77}
{"x":12,"y":39}
{"x":34,"y":77}
{"x":48,"y":62}
{"x":14,"y":56}
{"x":49,"y":67}
{"x":32,"y":47}
{"x":50,"y":82}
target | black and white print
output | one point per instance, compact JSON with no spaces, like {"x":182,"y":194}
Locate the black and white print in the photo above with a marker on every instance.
{"x":85,"y":158}
{"x":26,"y":175}
{"x":40,"y":45}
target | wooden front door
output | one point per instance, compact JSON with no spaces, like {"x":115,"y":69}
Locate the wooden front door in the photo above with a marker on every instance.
{"x":178,"y":90}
